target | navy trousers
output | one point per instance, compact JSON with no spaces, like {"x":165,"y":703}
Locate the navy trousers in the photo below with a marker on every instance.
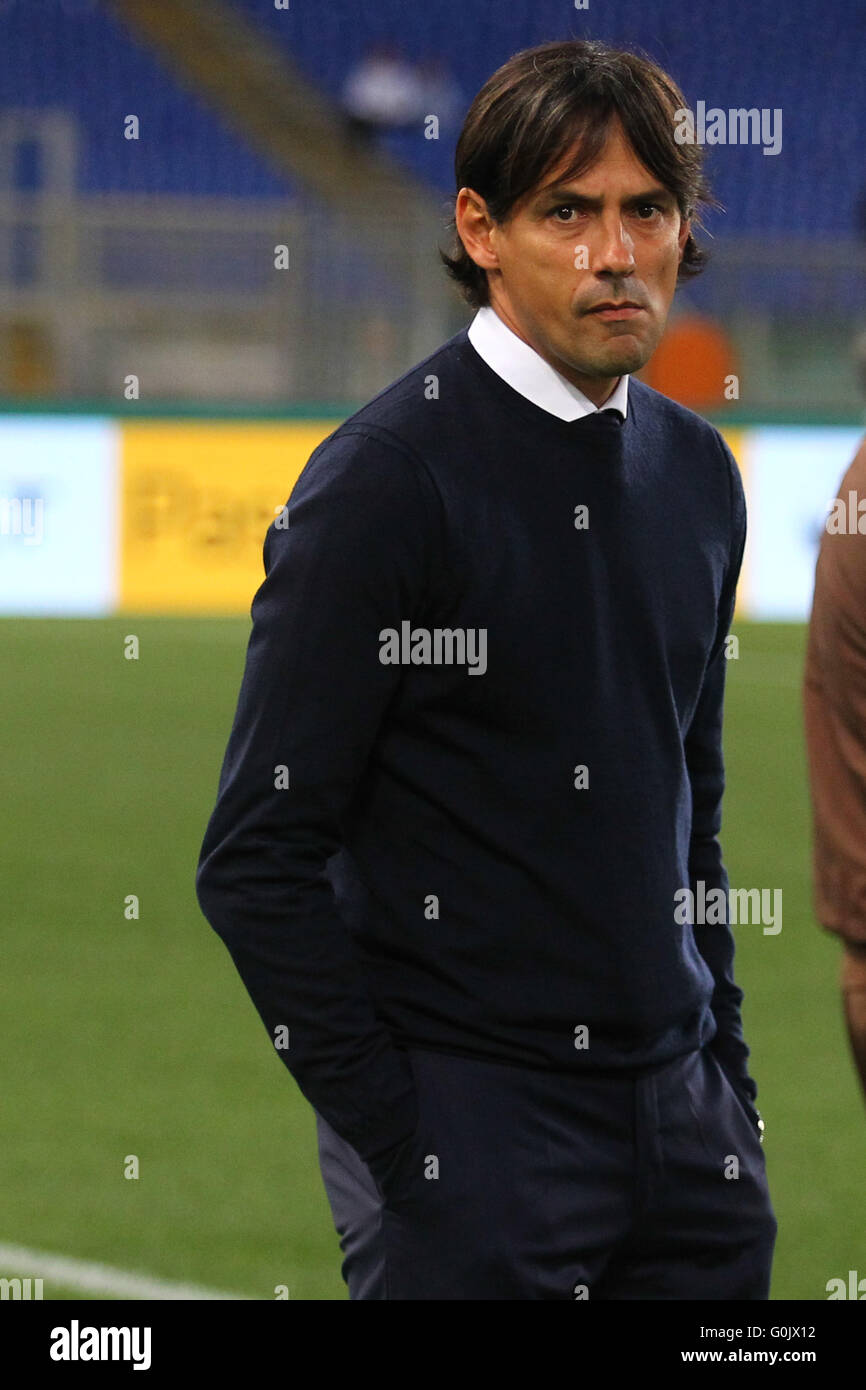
{"x":521,"y":1184}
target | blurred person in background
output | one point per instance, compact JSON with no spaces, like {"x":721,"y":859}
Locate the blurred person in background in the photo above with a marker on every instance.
{"x":834,"y":696}
{"x":384,"y":92}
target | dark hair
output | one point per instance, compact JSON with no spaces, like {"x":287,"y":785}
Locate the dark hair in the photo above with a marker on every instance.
{"x":534,"y":108}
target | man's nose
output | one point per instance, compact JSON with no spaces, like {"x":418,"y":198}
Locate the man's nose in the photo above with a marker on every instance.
{"x":614,"y":250}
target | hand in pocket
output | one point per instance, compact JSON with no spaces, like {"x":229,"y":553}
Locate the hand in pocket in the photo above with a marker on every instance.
{"x":753,"y":1114}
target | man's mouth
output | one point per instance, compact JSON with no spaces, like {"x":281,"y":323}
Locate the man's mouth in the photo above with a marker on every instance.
{"x":611,"y":311}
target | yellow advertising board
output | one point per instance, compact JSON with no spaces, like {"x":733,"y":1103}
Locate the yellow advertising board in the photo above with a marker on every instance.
{"x":197,"y":498}
{"x":737,"y":441}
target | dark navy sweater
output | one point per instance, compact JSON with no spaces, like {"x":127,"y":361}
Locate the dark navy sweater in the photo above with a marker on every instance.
{"x":484,"y":862}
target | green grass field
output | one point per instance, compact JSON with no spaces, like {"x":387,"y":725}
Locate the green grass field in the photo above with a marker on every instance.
{"x":137,"y":1037}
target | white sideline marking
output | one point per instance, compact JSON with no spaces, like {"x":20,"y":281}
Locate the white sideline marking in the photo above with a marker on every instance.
{"x":96,"y":1278}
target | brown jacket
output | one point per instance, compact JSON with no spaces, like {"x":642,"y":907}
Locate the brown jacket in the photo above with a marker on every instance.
{"x":834,"y":696}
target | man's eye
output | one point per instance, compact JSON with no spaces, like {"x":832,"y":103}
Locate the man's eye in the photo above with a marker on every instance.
{"x":565,"y":207}
{"x":648,"y":208}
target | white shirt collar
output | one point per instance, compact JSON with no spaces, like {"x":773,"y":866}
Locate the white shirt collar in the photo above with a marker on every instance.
{"x":527,"y":372}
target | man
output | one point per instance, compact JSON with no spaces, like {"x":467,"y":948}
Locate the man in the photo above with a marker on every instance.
{"x":477,"y":753}
{"x":834,"y":695}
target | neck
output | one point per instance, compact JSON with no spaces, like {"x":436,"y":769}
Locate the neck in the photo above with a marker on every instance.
{"x":596,"y":389}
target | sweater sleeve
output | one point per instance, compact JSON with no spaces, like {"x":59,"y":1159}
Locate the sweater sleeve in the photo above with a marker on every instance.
{"x":354,"y":558}
{"x":705,"y":763}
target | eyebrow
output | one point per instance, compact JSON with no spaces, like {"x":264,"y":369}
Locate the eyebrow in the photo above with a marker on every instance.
{"x":566,"y":195}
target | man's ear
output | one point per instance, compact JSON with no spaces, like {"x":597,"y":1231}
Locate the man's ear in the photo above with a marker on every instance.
{"x":684,"y":233}
{"x":474,"y":226}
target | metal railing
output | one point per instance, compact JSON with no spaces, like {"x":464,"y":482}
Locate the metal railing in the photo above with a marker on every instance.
{"x":194,"y":298}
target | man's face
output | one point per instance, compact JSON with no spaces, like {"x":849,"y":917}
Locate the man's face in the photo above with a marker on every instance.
{"x":612,"y":236}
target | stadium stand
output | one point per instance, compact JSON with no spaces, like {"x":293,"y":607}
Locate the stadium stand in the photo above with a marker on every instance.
{"x":185,"y":212}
